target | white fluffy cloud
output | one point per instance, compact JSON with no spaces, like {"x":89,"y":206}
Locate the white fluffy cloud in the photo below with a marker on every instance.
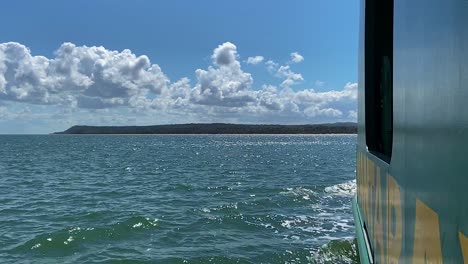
{"x":284,"y":72}
{"x":225,"y":54}
{"x":296,"y":57}
{"x":292,"y":78}
{"x":314,"y":111}
{"x":323,"y":98}
{"x":272,"y":66}
{"x":255,"y":60}
{"x":89,"y":77}
{"x":225,"y":85}
{"x":81,"y":77}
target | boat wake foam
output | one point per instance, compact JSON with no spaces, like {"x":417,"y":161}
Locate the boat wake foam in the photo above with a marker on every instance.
{"x":342,"y":189}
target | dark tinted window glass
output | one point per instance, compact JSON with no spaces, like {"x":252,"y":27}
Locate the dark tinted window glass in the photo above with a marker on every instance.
{"x":378,"y":80}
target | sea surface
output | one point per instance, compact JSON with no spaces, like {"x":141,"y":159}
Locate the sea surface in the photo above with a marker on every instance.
{"x":177,"y":199}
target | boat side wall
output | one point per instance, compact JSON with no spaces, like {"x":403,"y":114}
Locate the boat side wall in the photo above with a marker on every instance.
{"x":414,"y":208}
{"x":362,"y":242}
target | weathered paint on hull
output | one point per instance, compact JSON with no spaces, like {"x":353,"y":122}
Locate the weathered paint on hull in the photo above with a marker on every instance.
{"x":400,"y":226}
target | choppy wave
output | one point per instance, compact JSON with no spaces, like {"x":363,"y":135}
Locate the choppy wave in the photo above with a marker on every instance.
{"x":337,"y":251}
{"x":62,"y":241}
{"x":334,"y":252}
{"x":299,"y":192}
{"x":164,"y":199}
{"x":343,"y":189}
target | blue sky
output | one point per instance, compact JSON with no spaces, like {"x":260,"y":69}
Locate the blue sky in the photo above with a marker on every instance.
{"x":188,"y":60}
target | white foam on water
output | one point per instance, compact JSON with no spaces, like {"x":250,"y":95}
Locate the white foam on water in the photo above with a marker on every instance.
{"x":323,"y":227}
{"x":267,"y":225}
{"x":36,"y":246}
{"x":299,"y":192}
{"x":329,"y":219}
{"x":287,"y":223}
{"x":342,"y":189}
{"x":327,"y":254}
{"x":152,"y":222}
{"x":74,"y":230}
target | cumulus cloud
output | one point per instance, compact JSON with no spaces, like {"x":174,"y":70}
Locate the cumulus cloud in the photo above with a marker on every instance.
{"x":314,"y":111}
{"x":296,"y":57}
{"x":284,"y":72}
{"x":91,"y":77}
{"x":272,"y":66}
{"x":225,"y":54}
{"x":322,"y":99}
{"x":291,"y":77}
{"x":255,"y":60}
{"x":225,"y":85}
{"x":98,"y":79}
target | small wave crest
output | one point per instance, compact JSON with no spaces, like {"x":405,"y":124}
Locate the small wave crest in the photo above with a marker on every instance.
{"x":317,"y":228}
{"x":342,"y":189}
{"x":65,"y":241}
{"x":337,"y":251}
{"x":299,"y":192}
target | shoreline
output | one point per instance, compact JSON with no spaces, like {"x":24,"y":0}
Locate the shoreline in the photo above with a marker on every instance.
{"x":215,"y":129}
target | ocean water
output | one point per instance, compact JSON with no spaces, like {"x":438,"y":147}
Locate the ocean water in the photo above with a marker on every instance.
{"x":177,"y":199}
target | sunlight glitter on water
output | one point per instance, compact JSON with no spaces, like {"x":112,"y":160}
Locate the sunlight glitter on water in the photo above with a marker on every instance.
{"x":254,"y":199}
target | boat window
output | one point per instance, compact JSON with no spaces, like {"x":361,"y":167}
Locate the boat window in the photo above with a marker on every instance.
{"x":378,"y":77}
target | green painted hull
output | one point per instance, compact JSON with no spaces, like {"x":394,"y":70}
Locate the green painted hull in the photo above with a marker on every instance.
{"x":362,"y":242}
{"x":412,"y":205}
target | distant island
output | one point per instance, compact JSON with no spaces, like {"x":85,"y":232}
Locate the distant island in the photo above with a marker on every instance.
{"x":217,"y":128}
